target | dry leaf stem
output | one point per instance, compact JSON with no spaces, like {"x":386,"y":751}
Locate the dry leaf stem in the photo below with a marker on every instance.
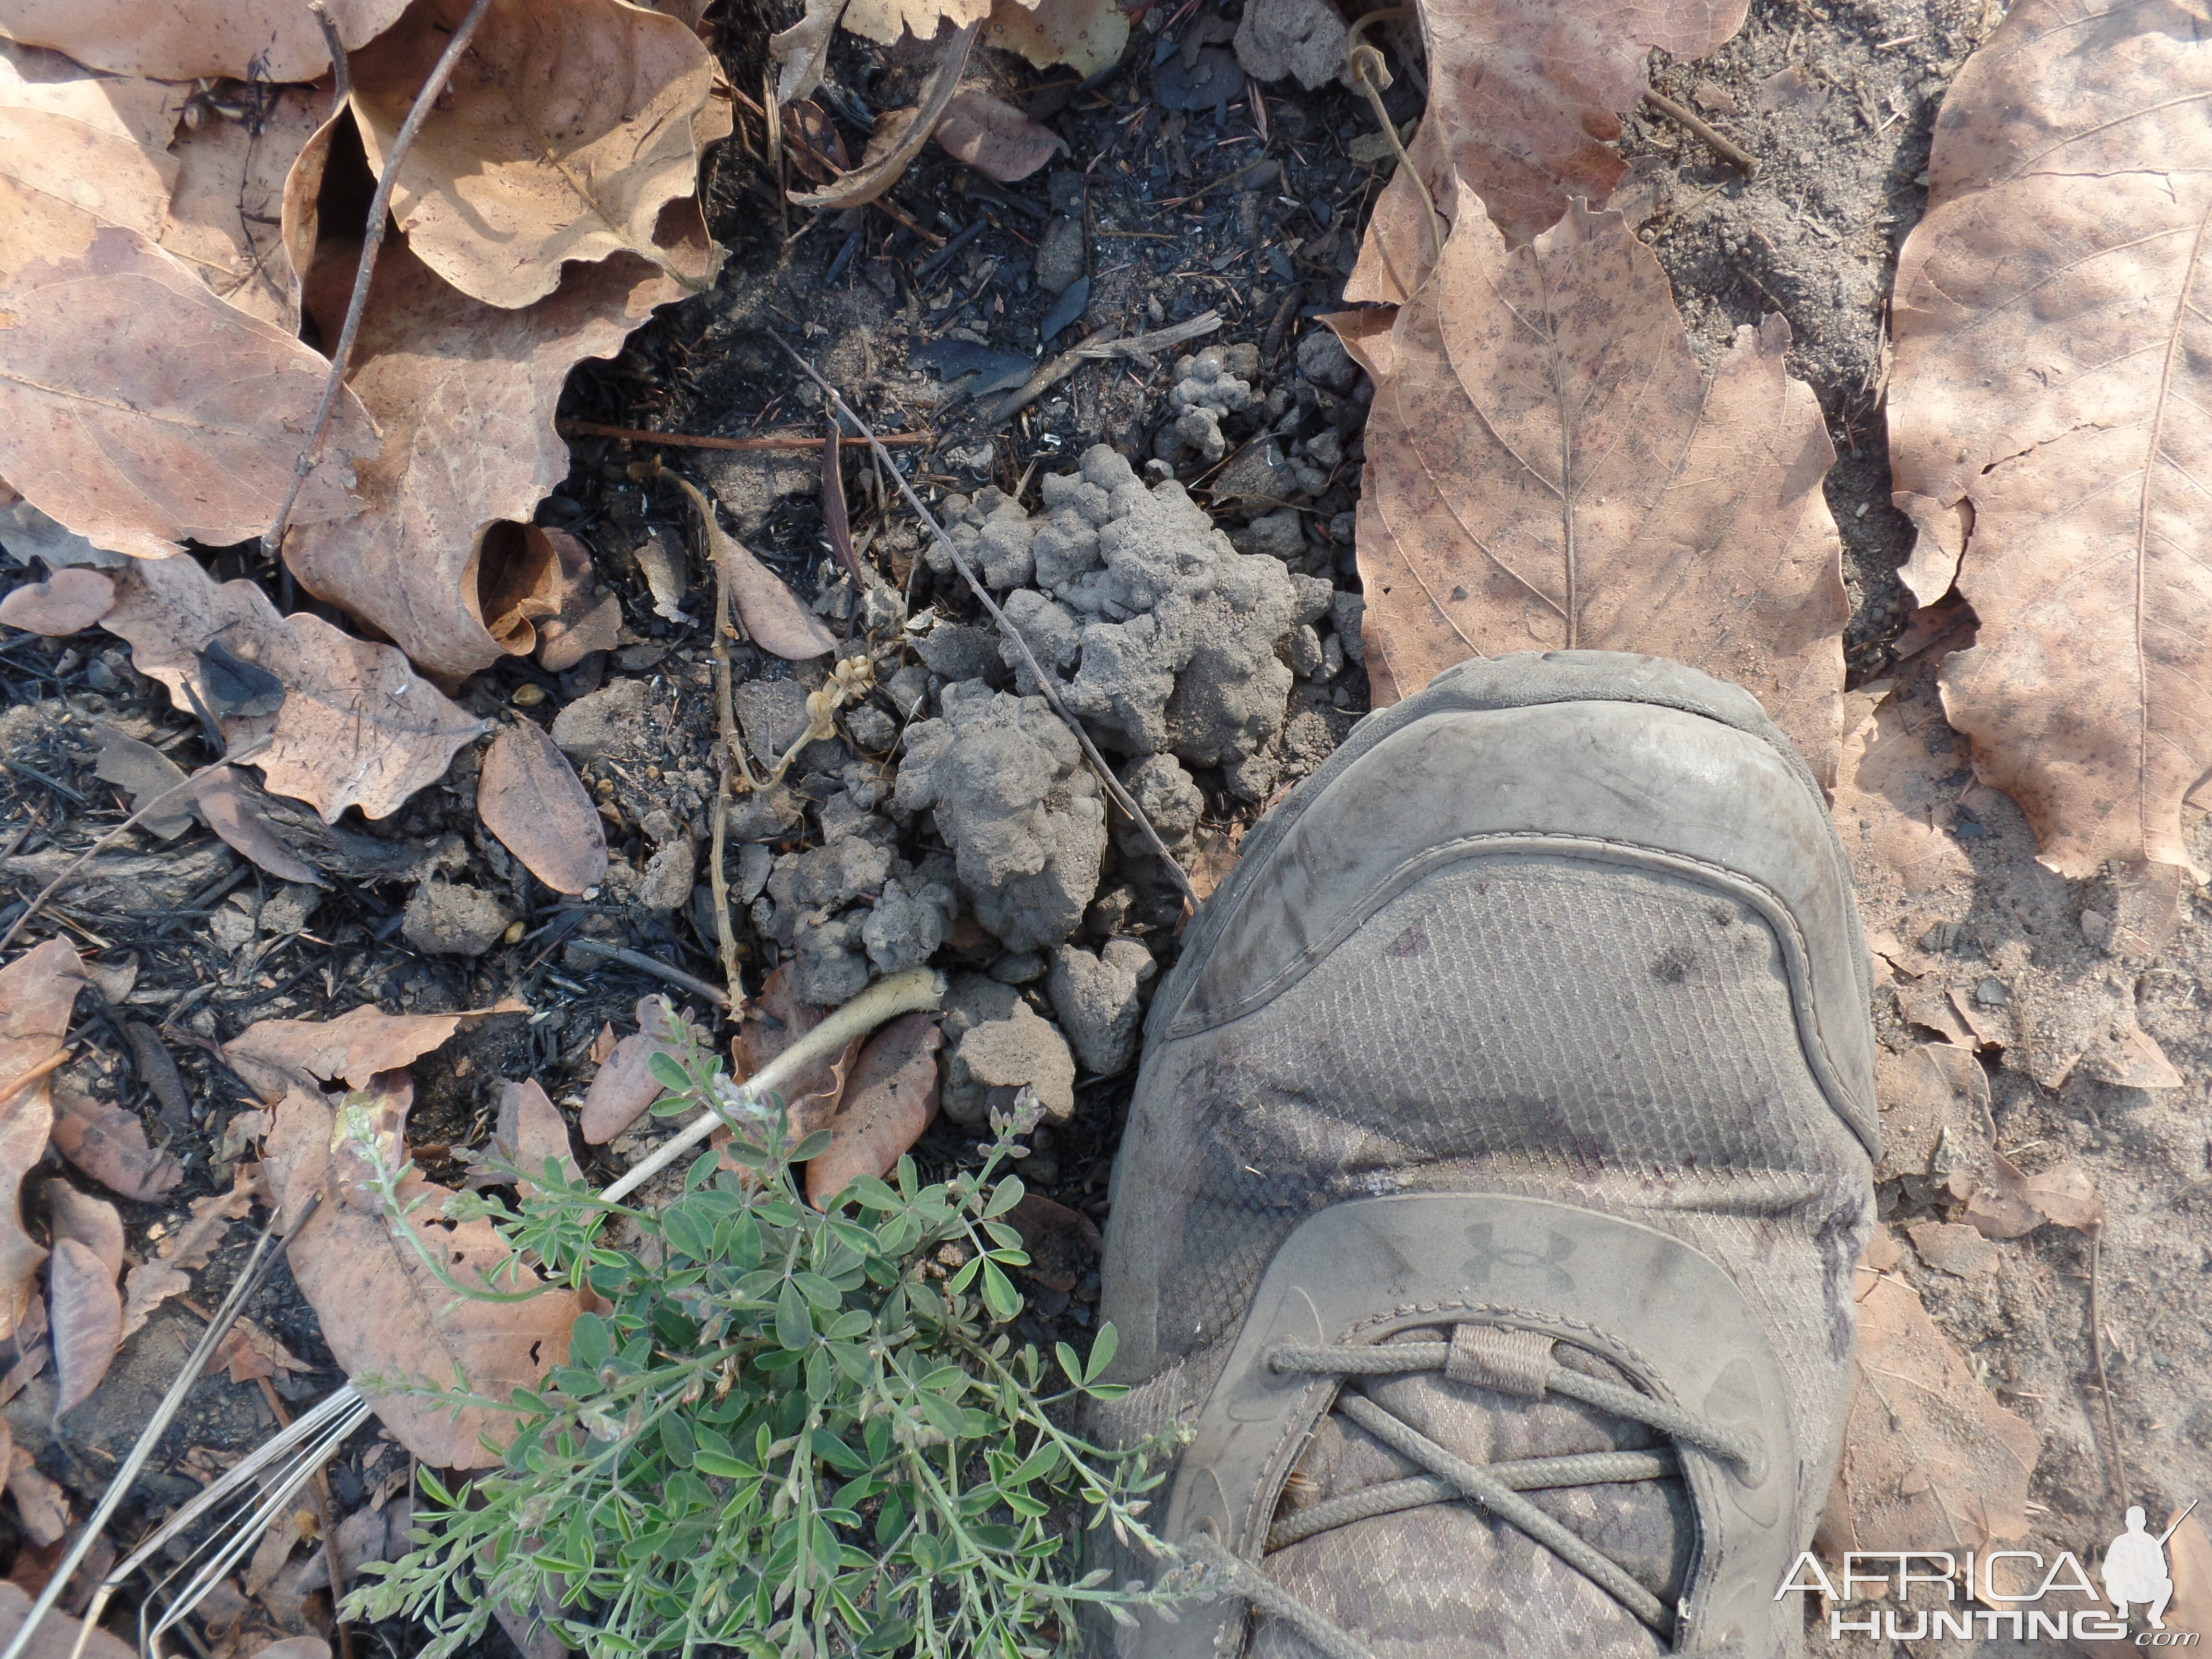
{"x":1046,"y":682}
{"x":1370,"y":74}
{"x":379,"y":209}
{"x":145,"y":809}
{"x":1714,"y":140}
{"x":726,"y":750}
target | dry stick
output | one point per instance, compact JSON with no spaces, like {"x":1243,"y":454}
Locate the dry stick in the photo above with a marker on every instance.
{"x":646,"y":965}
{"x":1716,"y":140}
{"x":1046,"y":682}
{"x":2116,"y":1468}
{"x":341,"y":71}
{"x":75,"y":864}
{"x":379,"y":207}
{"x":249,"y":1279}
{"x":887,"y":998}
{"x":726,"y":725}
{"x":688,"y":440}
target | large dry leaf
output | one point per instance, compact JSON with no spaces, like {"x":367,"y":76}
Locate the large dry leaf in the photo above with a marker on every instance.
{"x":1548,"y":467}
{"x":244,"y":39}
{"x":900,"y":133}
{"x":2053,"y":362}
{"x":804,"y":51}
{"x":465,"y":392}
{"x":86,"y":1314}
{"x":889,"y":1099}
{"x":139,"y":409}
{"x":357,"y":727}
{"x":279,"y":1055}
{"x":1530,"y":94}
{"x":1087,"y":35}
{"x":236,"y":811}
{"x":566,"y":129}
{"x":1930,"y":1462}
{"x":387,"y":1318}
{"x":531,"y":798}
{"x":37,"y":991}
{"x":531,"y":1130}
{"x":2009,"y":1203}
{"x":110,"y":1144}
{"x":994,"y":137}
{"x":78,"y":151}
{"x":884,"y":22}
{"x":57,"y":1634}
{"x":93,"y":1222}
{"x":72,"y":599}
{"x":149,"y":775}
{"x":771,"y":1022}
{"x":226,"y":215}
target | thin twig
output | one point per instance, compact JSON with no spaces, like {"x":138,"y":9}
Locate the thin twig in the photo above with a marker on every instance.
{"x":1716,"y":140}
{"x":379,"y":209}
{"x":728,"y":751}
{"x":646,"y":965}
{"x":887,"y":998}
{"x":341,"y":71}
{"x":144,"y":810}
{"x":1046,"y":682}
{"x":689,"y":440}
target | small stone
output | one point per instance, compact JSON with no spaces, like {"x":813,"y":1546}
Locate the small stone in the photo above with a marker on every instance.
{"x":1347,"y":612}
{"x":1278,"y":534}
{"x":610,"y":721}
{"x":1060,"y":256}
{"x":871,"y":729}
{"x":1305,"y":653}
{"x":667,"y":881}
{"x":1991,"y":994}
{"x":1096,"y":998}
{"x":528,"y":694}
{"x":453,"y":921}
{"x":774,"y":715}
{"x":754,"y":863}
{"x":1323,"y":360}
{"x":955,"y":651}
{"x":1020,"y":1051}
{"x":1017,"y":968}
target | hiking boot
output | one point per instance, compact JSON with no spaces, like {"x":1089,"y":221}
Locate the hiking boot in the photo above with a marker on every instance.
{"x":1490,"y":1197}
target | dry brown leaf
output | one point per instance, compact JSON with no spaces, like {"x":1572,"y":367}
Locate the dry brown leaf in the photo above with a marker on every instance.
{"x":804,"y":51}
{"x":531,"y":1130}
{"x":147,"y":775}
{"x":139,"y":409}
{"x":624,"y":1085}
{"x":250,"y":1352}
{"x":1548,"y":467}
{"x":244,"y":39}
{"x":71,"y":598}
{"x":1895,"y":799}
{"x":464,"y":393}
{"x":78,"y":151}
{"x":884,"y":22}
{"x":40,"y":1503}
{"x":994,"y":137}
{"x":2007,"y":1204}
{"x":86,"y":1314}
{"x":771,"y":1022}
{"x":352,"y":1049}
{"x":889,"y":1099}
{"x":1087,"y":35}
{"x":185,"y":1252}
{"x":586,"y":617}
{"x":1531,"y":95}
{"x":235,"y":811}
{"x":225,"y":217}
{"x":531,"y":798}
{"x":357,"y":726}
{"x":110,"y":1144}
{"x":2052,"y":358}
{"x":1936,"y":1119}
{"x":771,"y":615}
{"x":37,"y":992}
{"x":1953,"y":1248}
{"x":564,"y":131}
{"x":93,"y":1222}
{"x":1061,"y":1242}
{"x":899,"y":134}
{"x":1930,"y":1460}
{"x":387,"y":1317}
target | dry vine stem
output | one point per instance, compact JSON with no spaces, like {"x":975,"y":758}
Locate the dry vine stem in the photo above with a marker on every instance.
{"x":1371,"y":76}
{"x":379,"y":209}
{"x":1046,"y":682}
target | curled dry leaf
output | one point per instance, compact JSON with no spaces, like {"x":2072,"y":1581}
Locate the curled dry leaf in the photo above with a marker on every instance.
{"x":352,"y":1049}
{"x":78,"y":151}
{"x":110,"y":1144}
{"x":889,"y":1099}
{"x":1548,"y":467}
{"x":994,"y":137}
{"x":269,"y":41}
{"x":357,"y":727}
{"x":139,"y":409}
{"x":37,"y":992}
{"x":93,"y":1222}
{"x":69,"y":600}
{"x":771,"y":615}
{"x":624,"y":1085}
{"x":235,"y":811}
{"x":2051,"y":357}
{"x":1087,"y":35}
{"x":564,"y":131}
{"x":585,"y":617}
{"x":226,"y":215}
{"x":804,"y":51}
{"x":531,"y":798}
{"x":85,"y":1312}
{"x":899,"y":134}
{"x":387,"y":1318}
{"x":146,"y":775}
{"x":1930,"y":1460}
{"x":465,"y":392}
{"x":1529,"y":96}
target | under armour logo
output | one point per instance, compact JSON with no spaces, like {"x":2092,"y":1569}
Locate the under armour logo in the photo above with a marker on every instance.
{"x":1488,"y":1255}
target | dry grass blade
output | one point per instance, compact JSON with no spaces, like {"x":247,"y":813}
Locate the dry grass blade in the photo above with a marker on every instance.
{"x":1549,"y":467}
{"x":2052,"y":361}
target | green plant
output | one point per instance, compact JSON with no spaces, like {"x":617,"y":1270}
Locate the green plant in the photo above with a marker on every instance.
{"x":782,"y":1435}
